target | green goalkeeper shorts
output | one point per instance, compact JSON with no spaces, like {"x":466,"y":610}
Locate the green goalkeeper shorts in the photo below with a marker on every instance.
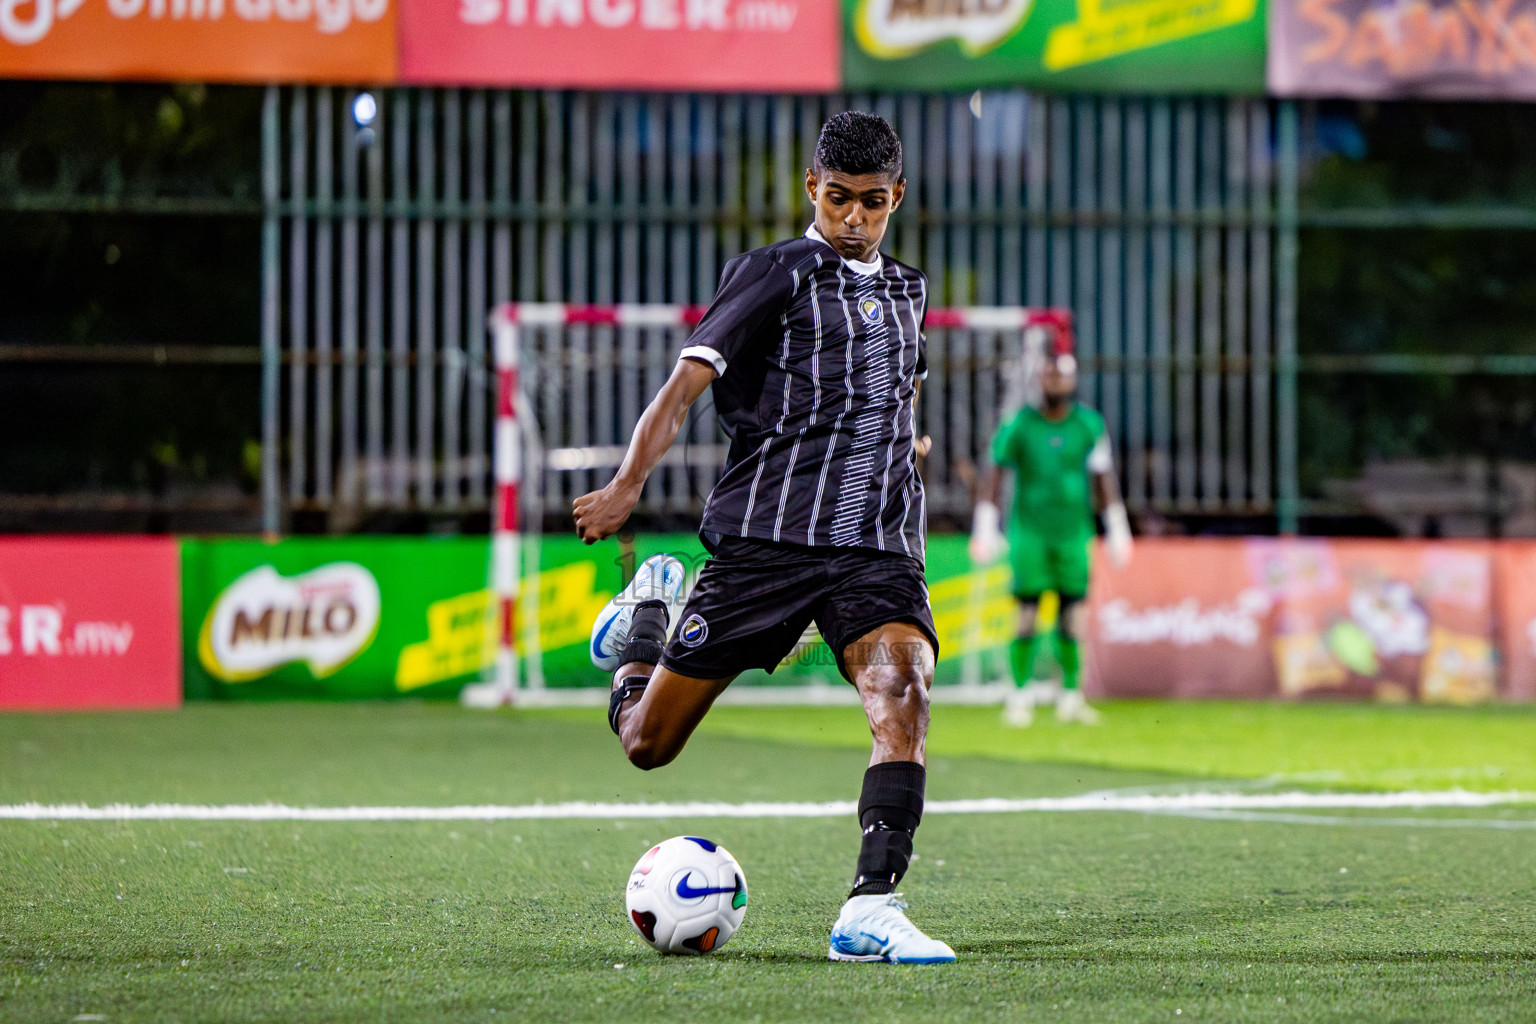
{"x":1046,"y":563}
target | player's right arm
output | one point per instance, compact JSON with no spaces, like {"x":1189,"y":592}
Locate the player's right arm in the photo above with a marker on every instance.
{"x":601,"y":513}
{"x":753,"y":291}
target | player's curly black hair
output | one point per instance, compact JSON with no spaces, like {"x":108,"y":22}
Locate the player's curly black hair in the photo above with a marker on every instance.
{"x":854,"y":142}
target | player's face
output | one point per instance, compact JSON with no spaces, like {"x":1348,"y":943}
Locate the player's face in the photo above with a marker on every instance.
{"x":1058,"y":381}
{"x":852,"y":210}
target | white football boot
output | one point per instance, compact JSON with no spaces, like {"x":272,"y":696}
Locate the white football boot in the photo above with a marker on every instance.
{"x":1019,"y":708}
{"x":1072,"y":706}
{"x":659,"y":578}
{"x":874,"y":929}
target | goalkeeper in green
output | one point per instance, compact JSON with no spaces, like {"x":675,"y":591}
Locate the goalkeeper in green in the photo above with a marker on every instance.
{"x":1061,"y":456}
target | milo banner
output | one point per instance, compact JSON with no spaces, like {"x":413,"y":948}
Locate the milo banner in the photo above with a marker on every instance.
{"x":1447,"y":49}
{"x":1300,"y":619}
{"x":1139,"y":46}
{"x":330,"y":618}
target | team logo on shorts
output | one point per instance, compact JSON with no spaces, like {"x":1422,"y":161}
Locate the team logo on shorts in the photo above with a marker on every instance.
{"x":871,"y":312}
{"x":693,"y":631}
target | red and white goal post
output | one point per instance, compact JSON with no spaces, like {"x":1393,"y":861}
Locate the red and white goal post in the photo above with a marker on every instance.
{"x":1043,"y":331}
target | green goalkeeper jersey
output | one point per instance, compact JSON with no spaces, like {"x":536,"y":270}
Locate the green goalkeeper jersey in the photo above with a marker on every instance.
{"x":1053,"y":495}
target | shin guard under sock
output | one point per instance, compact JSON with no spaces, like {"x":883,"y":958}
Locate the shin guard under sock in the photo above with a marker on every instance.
{"x":890,"y":808}
{"x":1069,"y":653}
{"x":627,"y":688}
{"x":647,"y":634}
{"x":1021,"y":658}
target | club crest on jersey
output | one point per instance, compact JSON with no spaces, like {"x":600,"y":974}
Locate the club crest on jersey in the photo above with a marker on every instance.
{"x":693,"y":631}
{"x":871,"y":312}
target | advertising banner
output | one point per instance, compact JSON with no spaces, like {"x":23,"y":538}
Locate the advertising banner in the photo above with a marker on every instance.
{"x":1516,"y":574}
{"x":1446,"y":49}
{"x":89,"y":623}
{"x":387,"y":617}
{"x":1138,"y":46}
{"x":1388,"y":620}
{"x":971,"y":612}
{"x":199,"y":40}
{"x":372,"y":617}
{"x":715,"y":45}
{"x":1234,"y":618}
{"x":1185,"y":619}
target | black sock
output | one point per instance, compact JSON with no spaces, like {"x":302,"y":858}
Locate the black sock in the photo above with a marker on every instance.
{"x":889,"y":811}
{"x":647,"y":634}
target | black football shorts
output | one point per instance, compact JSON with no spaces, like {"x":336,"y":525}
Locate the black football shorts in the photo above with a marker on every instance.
{"x":754,"y":599}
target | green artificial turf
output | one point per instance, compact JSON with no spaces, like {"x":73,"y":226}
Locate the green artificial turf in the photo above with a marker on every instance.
{"x":1372,"y":746}
{"x":1072,"y":916}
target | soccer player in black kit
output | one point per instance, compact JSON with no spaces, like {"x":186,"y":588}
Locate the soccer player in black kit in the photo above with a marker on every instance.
{"x":814,"y":348}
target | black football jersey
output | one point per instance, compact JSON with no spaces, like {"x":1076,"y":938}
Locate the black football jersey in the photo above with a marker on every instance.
{"x":818,"y":360}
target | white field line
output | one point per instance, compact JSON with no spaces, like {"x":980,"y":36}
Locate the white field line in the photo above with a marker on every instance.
{"x":1151,"y":803}
{"x":1351,"y":820}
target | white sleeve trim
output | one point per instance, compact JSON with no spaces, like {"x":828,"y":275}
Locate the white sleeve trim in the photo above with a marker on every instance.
{"x":923,"y":375}
{"x":1101,"y":459}
{"x":704,"y":353}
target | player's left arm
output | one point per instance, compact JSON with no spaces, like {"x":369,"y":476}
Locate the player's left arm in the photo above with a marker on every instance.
{"x":1106,"y":496}
{"x":922,"y":445}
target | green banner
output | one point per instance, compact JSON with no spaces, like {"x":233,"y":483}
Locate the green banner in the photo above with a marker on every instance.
{"x":576,"y":580}
{"x":388,"y":617}
{"x":356,"y":618}
{"x":1122,"y":46}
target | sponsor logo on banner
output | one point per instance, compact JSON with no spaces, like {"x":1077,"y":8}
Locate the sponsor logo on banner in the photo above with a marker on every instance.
{"x":261,"y":621}
{"x":656,"y":15}
{"x":89,"y":623}
{"x":896,"y":28}
{"x":1186,"y":623}
{"x":899,"y":28}
{"x":1473,"y":49}
{"x":207,"y":40}
{"x":327,"y":16}
{"x":1107,"y":29}
{"x":461,"y":630}
{"x":44,"y":631}
{"x":669,"y":44}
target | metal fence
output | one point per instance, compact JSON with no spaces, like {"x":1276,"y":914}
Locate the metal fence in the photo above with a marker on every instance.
{"x":1169,"y":226}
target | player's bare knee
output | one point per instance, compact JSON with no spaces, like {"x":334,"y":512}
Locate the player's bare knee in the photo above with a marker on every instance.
{"x":644,"y":753}
{"x":1074,"y":618}
{"x":905,"y":685}
{"x":648,"y":748}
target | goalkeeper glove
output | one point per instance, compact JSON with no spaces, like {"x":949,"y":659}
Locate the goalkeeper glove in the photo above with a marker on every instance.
{"x":986,"y":536}
{"x":1117,"y":535}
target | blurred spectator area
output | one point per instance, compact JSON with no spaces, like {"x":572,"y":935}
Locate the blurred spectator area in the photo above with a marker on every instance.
{"x":131,"y":221}
{"x":130,"y":262}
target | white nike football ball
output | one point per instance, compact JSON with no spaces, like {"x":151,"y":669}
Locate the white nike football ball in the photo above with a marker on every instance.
{"x":686,"y":895}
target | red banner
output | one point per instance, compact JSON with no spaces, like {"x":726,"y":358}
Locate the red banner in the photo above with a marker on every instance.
{"x":1184,"y":620}
{"x":1389,"y":620}
{"x":89,"y":623}
{"x":199,"y":40}
{"x":721,"y":45}
{"x":1517,"y":617}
